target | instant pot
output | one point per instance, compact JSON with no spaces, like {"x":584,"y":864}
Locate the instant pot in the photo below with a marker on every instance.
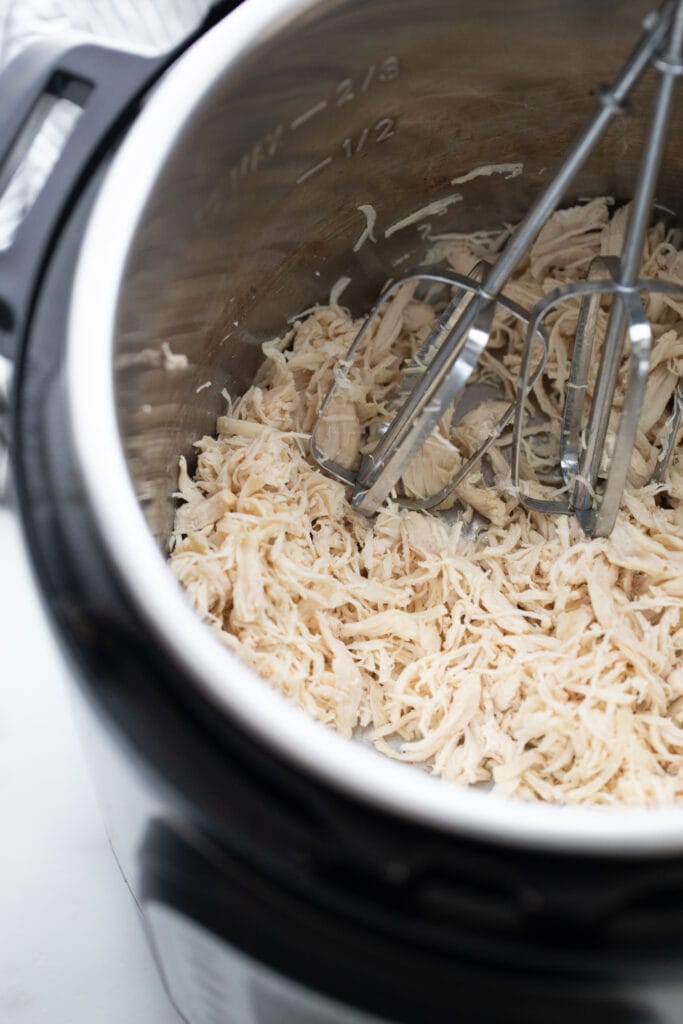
{"x":285,"y":875}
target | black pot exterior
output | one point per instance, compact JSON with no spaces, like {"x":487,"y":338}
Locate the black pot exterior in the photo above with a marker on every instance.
{"x":400,"y":921}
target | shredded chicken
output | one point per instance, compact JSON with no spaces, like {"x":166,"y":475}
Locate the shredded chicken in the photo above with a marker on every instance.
{"x":522,"y":654}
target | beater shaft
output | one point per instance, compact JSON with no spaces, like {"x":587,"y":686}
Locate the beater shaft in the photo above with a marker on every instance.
{"x":610,"y":358}
{"x":447,"y":375}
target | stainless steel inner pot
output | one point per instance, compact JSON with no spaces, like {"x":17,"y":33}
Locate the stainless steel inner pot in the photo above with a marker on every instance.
{"x":233,"y":204}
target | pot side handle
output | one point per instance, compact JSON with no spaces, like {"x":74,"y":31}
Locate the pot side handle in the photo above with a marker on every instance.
{"x":108,"y":84}
{"x":105,"y":83}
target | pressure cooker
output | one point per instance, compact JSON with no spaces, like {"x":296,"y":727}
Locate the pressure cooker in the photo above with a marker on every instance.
{"x":286,"y":875}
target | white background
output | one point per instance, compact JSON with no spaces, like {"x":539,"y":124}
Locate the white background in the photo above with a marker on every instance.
{"x":72,"y":950}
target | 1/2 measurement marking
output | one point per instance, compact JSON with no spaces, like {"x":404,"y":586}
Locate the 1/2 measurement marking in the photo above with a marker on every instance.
{"x":313,"y":170}
{"x":347,"y":90}
{"x":380,"y":132}
{"x":350,"y":149}
{"x":373,"y":136}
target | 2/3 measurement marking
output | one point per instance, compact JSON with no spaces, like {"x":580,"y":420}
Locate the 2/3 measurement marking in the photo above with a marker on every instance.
{"x":347,"y":90}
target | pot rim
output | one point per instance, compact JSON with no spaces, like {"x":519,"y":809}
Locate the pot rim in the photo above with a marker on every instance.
{"x":232,"y":687}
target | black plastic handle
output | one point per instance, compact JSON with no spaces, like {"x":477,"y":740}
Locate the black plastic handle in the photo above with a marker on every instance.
{"x":104,"y":82}
{"x":108,"y":84}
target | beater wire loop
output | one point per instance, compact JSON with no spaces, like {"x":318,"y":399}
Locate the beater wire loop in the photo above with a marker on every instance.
{"x":465,"y":287}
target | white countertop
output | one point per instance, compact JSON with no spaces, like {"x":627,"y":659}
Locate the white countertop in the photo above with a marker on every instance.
{"x":72,"y":950}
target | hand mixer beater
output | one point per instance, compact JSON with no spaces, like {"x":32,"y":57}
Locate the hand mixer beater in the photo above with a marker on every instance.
{"x":593,"y":467}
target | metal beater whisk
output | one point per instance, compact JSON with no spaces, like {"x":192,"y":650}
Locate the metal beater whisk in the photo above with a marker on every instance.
{"x":435,"y":379}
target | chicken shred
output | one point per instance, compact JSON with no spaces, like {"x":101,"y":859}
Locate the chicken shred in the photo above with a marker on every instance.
{"x":524,"y":655}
